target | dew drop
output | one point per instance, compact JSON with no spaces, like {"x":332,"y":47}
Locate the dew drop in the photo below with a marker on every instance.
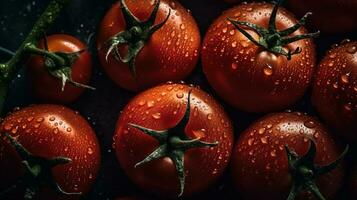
{"x":40,"y":119}
{"x":234,"y":66}
{"x":264,"y":140}
{"x":182,"y":26}
{"x":209,"y":116}
{"x":310,"y":124}
{"x":179,"y":95}
{"x":268,"y":70}
{"x":52,"y":118}
{"x":348,"y":106}
{"x":30,"y":119}
{"x":142,"y":102}
{"x":150,"y":104}
{"x":90,"y":151}
{"x":69,"y":129}
{"x":273,"y":153}
{"x":345,"y":78}
{"x":261,"y":130}
{"x":156,"y":115}
{"x":352,"y":49}
{"x":250,"y":141}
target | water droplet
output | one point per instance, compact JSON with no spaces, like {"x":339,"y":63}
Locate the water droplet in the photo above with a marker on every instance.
{"x":142,"y":102}
{"x":40,"y":119}
{"x":268,"y":70}
{"x":52,"y":118}
{"x":209,"y":116}
{"x":156,"y":115}
{"x":250,"y":141}
{"x":273,"y":153}
{"x":200,"y":133}
{"x":234,"y":66}
{"x":234,"y":44}
{"x":232,"y":32}
{"x":345,"y":78}
{"x":55,"y":130}
{"x":182,"y":26}
{"x":310,"y":124}
{"x":90,"y":151}
{"x":352,"y":49}
{"x":150,"y":104}
{"x":30,"y":119}
{"x":179,"y":95}
{"x":264,"y":140}
{"x":224,"y":30}
{"x":69,"y":129}
{"x":348,"y":106}
{"x":261,"y":130}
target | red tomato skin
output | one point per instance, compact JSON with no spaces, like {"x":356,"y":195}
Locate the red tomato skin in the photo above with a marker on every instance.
{"x":259,"y":161}
{"x":170,"y":55}
{"x":248,"y":77}
{"x":335,"y":90}
{"x":163,"y":107}
{"x":329,"y":16}
{"x":51,"y":131}
{"x":48,"y":88}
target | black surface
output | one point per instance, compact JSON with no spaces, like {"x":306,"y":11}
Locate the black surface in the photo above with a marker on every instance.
{"x":103,"y":106}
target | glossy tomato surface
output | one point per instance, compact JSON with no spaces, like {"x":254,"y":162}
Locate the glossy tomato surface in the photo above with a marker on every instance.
{"x":259,"y":163}
{"x":161,"y":108}
{"x":170,"y":54}
{"x":51,"y":131}
{"x":335,"y":90}
{"x":329,"y":16}
{"x":49,"y":88}
{"x":251,"y":78}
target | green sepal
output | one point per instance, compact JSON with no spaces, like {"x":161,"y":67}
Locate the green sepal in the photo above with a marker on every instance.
{"x":135,"y":36}
{"x":304,"y":171}
{"x":173,"y":143}
{"x":270,"y":38}
{"x":38,"y":172}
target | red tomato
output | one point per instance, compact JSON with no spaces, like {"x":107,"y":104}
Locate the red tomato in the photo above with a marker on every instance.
{"x":328,"y":15}
{"x":48,"y":132}
{"x":260,"y":164}
{"x":169,"y":54}
{"x":48,"y":88}
{"x":335,"y":90}
{"x":245,"y":74}
{"x":164,"y":108}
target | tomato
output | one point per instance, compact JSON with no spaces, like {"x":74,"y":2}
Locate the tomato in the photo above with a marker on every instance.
{"x":260,"y":165}
{"x":47,"y":87}
{"x":335,"y":89}
{"x":170,"y":53}
{"x":179,"y":166}
{"x":48,"y":132}
{"x":329,"y":15}
{"x":258,"y":76}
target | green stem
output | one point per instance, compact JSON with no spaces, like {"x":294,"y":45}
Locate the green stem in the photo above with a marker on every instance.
{"x":32,"y":49}
{"x":10,"y":68}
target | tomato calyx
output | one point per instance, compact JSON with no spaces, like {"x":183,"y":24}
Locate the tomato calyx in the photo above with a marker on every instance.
{"x":135,"y":36}
{"x":304,"y":171}
{"x":273,"y":40}
{"x":58,"y":64}
{"x":173,"y":143}
{"x":38,"y":172}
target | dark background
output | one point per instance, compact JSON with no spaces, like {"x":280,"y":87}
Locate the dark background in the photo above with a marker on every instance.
{"x":102,"y":107}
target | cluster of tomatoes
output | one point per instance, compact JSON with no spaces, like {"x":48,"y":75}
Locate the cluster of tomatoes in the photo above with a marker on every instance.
{"x":174,"y":140}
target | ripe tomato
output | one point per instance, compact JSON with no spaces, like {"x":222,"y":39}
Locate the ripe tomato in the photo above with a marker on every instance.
{"x":165,"y":108}
{"x":48,"y":132}
{"x":335,"y":89}
{"x":47,"y":87}
{"x":254,"y":76}
{"x":260,"y":161}
{"x":169,"y":54}
{"x":329,"y":15}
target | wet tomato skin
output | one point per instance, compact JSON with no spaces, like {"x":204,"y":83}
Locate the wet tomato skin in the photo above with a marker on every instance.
{"x":161,"y":108}
{"x":329,"y":16}
{"x":51,"y":131}
{"x":335,"y":90}
{"x":170,"y":54}
{"x":251,"y":78}
{"x":49,"y":88}
{"x":259,"y":161}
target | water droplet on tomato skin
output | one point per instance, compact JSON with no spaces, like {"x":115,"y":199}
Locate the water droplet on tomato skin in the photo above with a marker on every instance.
{"x":345,"y":78}
{"x":348,"y":106}
{"x":40,"y":119}
{"x":261,"y":130}
{"x":180,"y":95}
{"x":264,"y":140}
{"x":29,"y":119}
{"x":209,"y":116}
{"x":90,"y":151}
{"x":268,"y":70}
{"x":310,"y":124}
{"x":69,"y":129}
{"x":156,"y":115}
{"x":234,"y":66}
{"x":352,"y":50}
